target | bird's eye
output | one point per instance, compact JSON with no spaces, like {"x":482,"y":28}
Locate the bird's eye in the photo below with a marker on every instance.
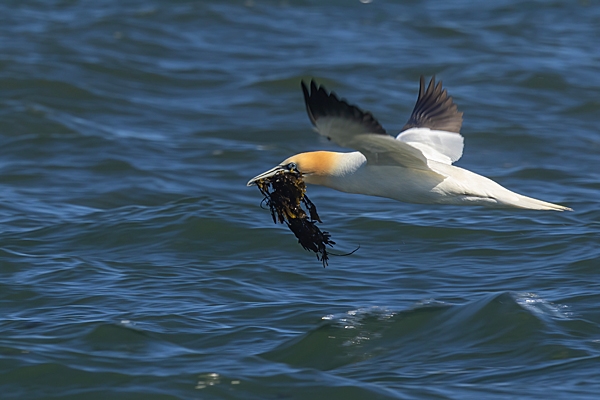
{"x":292,"y":166}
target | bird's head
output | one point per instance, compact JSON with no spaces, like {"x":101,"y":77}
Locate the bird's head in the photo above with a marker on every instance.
{"x":314,"y":167}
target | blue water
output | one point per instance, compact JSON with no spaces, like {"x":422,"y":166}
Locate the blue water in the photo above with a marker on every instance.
{"x":136,"y":264}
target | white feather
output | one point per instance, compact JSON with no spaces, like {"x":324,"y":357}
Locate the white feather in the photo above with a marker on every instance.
{"x":441,"y":146}
{"x":380,"y":149}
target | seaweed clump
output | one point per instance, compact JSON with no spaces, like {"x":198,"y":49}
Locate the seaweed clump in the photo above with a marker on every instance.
{"x":285,"y":192}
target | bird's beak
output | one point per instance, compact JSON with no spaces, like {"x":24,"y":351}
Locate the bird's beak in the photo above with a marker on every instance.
{"x":266,"y":174}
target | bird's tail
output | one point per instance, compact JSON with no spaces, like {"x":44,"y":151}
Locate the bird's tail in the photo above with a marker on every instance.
{"x":530,"y":203}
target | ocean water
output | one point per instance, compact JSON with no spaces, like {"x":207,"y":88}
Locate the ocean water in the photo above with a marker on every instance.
{"x":136,"y":264}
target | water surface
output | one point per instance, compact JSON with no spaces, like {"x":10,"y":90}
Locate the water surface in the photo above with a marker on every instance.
{"x":136,"y":264}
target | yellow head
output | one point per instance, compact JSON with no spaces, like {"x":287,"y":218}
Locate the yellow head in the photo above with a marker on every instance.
{"x":315,"y":166}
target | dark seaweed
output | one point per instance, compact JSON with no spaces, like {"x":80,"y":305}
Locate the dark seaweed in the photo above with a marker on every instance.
{"x":285,"y":203}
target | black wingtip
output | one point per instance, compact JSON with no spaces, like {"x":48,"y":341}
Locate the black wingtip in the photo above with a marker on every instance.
{"x":306,"y":100}
{"x":434,"y":109}
{"x":322,"y":103}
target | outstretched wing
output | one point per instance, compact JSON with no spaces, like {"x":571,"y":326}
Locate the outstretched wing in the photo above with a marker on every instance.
{"x":349,"y":126}
{"x":434,"y":125}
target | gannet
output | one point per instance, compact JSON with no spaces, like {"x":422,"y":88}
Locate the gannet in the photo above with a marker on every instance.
{"x":413,"y":167}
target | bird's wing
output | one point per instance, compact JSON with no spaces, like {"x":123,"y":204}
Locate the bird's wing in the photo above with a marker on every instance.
{"x":434,"y":125}
{"x":349,"y":126}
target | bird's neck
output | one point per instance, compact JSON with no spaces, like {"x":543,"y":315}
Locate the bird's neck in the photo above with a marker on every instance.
{"x":343,"y":167}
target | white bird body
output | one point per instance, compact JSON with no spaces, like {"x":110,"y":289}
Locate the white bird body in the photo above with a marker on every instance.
{"x":352,"y":174}
{"x":414,"y":167}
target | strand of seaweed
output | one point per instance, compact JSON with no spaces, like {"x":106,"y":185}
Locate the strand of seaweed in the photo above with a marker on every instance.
{"x":285,"y":203}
